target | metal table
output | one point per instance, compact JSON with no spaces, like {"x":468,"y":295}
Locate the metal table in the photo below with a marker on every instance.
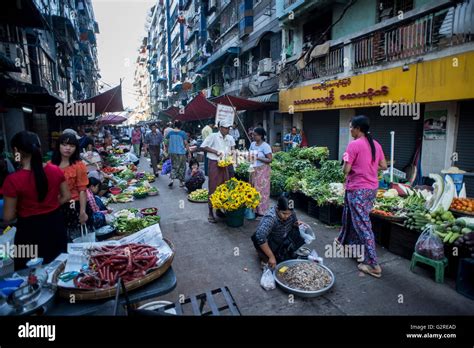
{"x":163,"y":285}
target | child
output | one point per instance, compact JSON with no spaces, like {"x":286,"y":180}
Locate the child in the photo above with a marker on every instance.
{"x":95,"y":204}
{"x":194,"y":178}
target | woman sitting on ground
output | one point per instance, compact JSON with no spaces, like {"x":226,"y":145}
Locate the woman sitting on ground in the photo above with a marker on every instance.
{"x":277,"y":237}
{"x":194,"y":178}
{"x":96,"y":207}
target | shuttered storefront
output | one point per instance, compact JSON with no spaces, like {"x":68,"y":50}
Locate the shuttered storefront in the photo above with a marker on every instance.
{"x":408,"y":132}
{"x":322,"y":129}
{"x":465,"y":143}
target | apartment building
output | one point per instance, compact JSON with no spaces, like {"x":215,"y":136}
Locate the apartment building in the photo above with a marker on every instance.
{"x":49,"y":56}
{"x":345,"y":58}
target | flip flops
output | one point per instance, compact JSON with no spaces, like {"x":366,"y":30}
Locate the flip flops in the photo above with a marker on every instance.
{"x":370,"y":270}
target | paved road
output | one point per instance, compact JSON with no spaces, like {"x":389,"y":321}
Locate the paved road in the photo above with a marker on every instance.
{"x":209,"y":256}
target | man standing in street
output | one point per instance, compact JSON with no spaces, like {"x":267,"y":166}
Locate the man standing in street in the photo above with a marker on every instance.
{"x":153,"y":142}
{"x":136,"y":139}
{"x":216,"y":146}
{"x":234,"y":132}
{"x":177,"y":148}
{"x":291,"y":140}
{"x":206,"y":131}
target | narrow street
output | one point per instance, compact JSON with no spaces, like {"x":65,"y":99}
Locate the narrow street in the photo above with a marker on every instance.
{"x":210,"y":256}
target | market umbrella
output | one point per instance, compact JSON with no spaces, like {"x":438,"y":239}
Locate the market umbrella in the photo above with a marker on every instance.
{"x":111,"y":119}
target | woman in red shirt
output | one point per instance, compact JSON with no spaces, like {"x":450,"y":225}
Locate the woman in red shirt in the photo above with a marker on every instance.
{"x":34,"y":195}
{"x":67,"y":157}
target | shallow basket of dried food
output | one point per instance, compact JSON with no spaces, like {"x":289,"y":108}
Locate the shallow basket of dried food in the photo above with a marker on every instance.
{"x":304,"y":278}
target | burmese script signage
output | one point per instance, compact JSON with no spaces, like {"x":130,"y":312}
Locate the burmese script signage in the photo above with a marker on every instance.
{"x":367,"y":90}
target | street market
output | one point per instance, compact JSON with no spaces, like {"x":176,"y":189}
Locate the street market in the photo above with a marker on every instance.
{"x":242,"y":163}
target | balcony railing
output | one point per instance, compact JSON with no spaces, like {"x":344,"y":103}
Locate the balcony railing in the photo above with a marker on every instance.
{"x":411,"y":38}
{"x":330,"y":64}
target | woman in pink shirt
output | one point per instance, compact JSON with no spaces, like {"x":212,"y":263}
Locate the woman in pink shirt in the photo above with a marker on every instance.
{"x":363,"y":159}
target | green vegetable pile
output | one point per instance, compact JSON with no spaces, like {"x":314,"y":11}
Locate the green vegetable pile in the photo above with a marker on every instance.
{"x":242,"y":171}
{"x":314,"y":154}
{"x":199,"y":195}
{"x":296,"y":170}
{"x":126,"y":174}
{"x":127,"y":225}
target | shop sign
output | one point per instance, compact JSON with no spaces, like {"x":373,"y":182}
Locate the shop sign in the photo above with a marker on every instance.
{"x":225,"y":114}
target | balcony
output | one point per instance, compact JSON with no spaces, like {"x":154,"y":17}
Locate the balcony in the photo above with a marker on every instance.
{"x":413,"y":37}
{"x":330,"y":64}
{"x":428,"y":30}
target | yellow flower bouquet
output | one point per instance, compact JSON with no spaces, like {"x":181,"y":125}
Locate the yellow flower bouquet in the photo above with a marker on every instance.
{"x":234,"y":195}
{"x":225,"y":162}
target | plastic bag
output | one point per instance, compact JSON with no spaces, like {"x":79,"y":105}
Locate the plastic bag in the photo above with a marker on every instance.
{"x":166,"y":167}
{"x":267,"y":281}
{"x":85,"y":236}
{"x":429,"y":244}
{"x":313,"y":256}
{"x":306,"y":232}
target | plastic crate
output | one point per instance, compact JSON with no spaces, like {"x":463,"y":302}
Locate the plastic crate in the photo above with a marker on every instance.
{"x":465,"y":278}
{"x":300,"y":201}
{"x":330,"y":214}
{"x":402,"y":240}
{"x":313,"y":208}
{"x":382,"y":230}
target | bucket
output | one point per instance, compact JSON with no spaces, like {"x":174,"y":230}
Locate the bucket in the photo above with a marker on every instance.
{"x":249,"y":214}
{"x":235,"y":218}
{"x":458,"y":181}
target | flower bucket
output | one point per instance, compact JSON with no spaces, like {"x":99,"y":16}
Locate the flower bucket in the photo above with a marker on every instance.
{"x":235,"y":218}
{"x":249,"y":214}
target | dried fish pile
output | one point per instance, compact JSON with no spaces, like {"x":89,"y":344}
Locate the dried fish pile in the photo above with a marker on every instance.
{"x":307,"y":276}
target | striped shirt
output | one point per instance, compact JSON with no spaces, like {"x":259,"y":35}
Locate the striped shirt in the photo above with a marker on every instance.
{"x":271,"y":226}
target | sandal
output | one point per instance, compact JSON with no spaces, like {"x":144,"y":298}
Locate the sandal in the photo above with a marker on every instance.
{"x":370,"y":270}
{"x":212,"y":220}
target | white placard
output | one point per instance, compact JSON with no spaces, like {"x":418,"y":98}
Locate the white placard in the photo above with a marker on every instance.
{"x":225,"y":114}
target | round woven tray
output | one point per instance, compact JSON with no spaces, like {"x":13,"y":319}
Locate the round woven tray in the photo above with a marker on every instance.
{"x":100,"y":294}
{"x":196,"y":201}
{"x":389,"y":218}
{"x":459,"y":212}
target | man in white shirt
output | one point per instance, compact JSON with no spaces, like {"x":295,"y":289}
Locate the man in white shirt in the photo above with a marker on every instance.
{"x":217,"y":145}
{"x":234,"y":132}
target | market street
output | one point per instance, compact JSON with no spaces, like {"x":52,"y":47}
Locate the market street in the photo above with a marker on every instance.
{"x":205,"y":260}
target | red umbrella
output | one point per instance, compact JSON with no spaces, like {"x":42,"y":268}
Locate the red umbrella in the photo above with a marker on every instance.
{"x":111,"y":119}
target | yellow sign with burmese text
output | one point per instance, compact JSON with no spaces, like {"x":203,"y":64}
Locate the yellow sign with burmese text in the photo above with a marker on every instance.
{"x":365,"y":90}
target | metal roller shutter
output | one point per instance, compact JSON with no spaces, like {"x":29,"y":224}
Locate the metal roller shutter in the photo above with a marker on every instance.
{"x":322,"y":129}
{"x":465,"y":143}
{"x":407,"y":132}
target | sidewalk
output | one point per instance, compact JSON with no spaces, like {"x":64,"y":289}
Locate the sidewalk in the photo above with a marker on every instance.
{"x":210,"y":256}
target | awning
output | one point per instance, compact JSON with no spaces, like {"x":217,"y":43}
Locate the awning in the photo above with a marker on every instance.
{"x":239,"y":103}
{"x":217,"y":56}
{"x":266,"y":98}
{"x":198,"y":109}
{"x":111,"y":119}
{"x":109,"y":101}
{"x":22,"y":13}
{"x":172,"y":111}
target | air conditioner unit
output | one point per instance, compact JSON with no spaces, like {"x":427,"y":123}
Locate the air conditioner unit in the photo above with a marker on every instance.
{"x":265,"y":66}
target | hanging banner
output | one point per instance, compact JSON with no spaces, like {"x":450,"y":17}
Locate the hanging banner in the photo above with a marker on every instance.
{"x":225,"y":115}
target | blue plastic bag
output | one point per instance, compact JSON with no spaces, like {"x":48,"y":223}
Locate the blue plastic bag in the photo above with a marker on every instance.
{"x":166,"y":167}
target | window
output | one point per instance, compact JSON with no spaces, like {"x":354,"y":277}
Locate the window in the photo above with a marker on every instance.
{"x":229,"y":16}
{"x":391,"y":8}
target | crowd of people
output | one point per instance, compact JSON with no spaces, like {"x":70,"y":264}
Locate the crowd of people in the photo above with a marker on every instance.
{"x":53,"y":201}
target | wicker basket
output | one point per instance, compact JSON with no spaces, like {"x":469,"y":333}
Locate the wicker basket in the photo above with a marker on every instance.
{"x":100,"y":294}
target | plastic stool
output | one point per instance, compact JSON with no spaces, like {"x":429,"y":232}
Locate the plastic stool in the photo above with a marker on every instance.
{"x":438,"y":265}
